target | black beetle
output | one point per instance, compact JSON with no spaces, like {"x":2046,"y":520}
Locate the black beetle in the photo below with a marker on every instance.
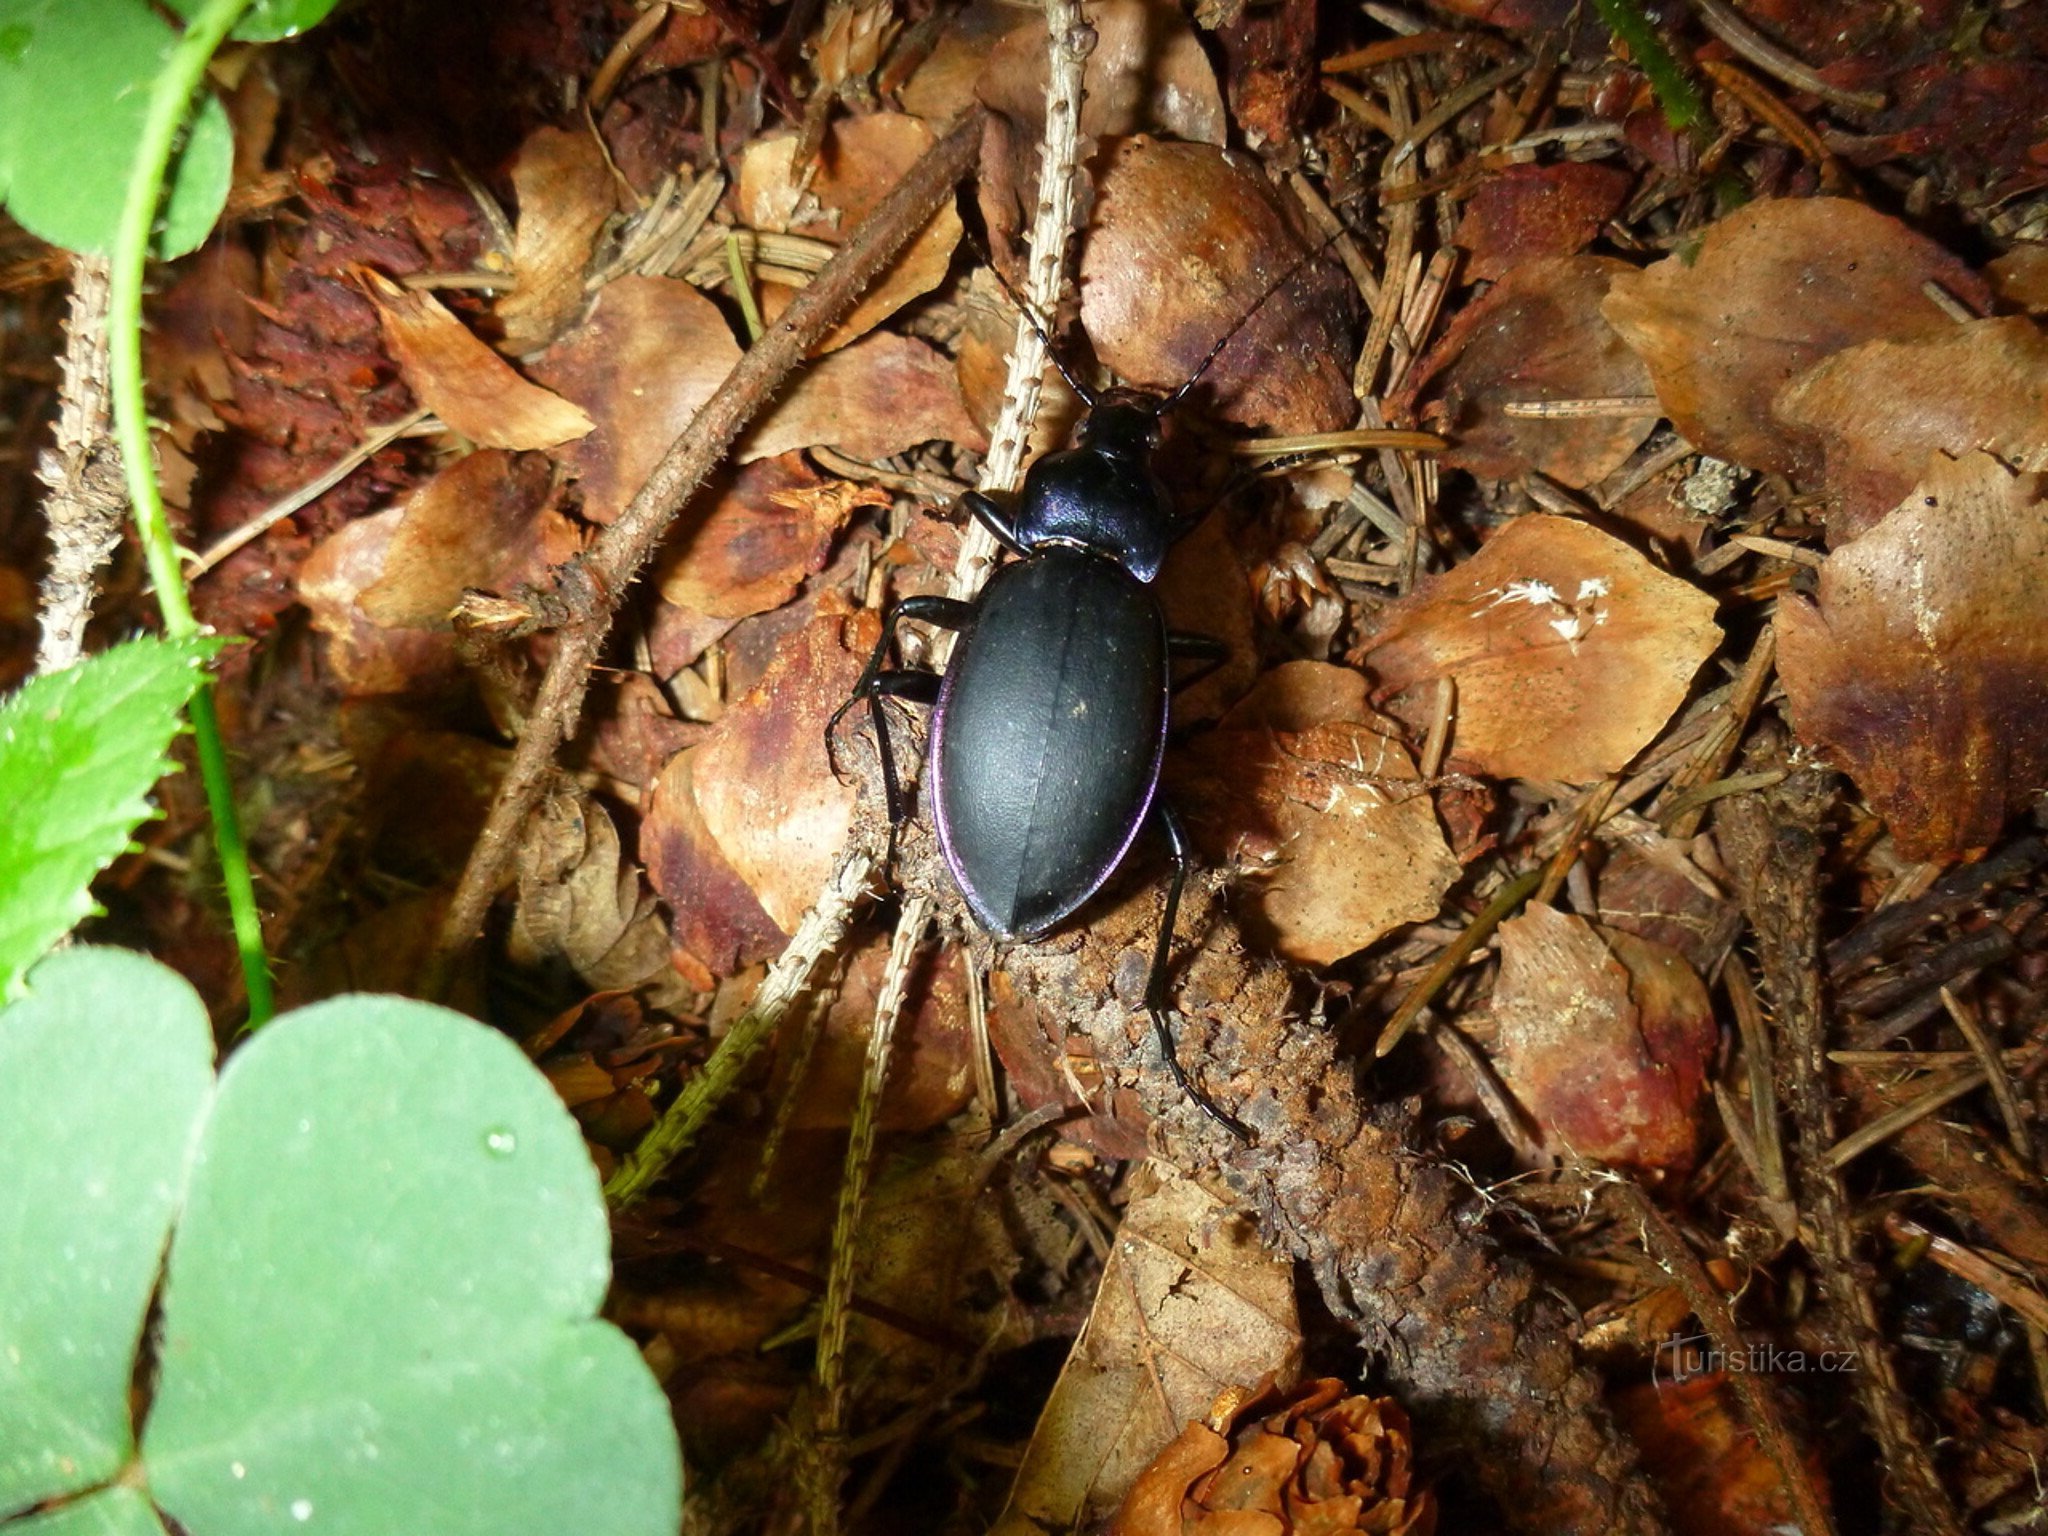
{"x":1049,"y":724}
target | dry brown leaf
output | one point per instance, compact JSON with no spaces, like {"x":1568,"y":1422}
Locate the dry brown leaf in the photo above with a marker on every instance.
{"x":1698,"y":1445}
{"x":1191,"y":1302}
{"x":877,"y":397}
{"x":580,"y":902}
{"x":861,"y":161}
{"x":1774,"y":288}
{"x":1537,"y":335}
{"x":717,"y":926}
{"x":1605,"y":1038}
{"x":484,"y":521}
{"x":650,"y":354}
{"x":1881,"y":410}
{"x":762,"y":782}
{"x":462,"y":381}
{"x":1148,"y":72}
{"x":1527,"y":212}
{"x":752,"y":547}
{"x":2020,"y":276}
{"x":1923,"y":670}
{"x":1313,"y":796}
{"x":1184,"y":243}
{"x":564,"y":187}
{"x":1569,"y":651}
{"x":364,"y":657}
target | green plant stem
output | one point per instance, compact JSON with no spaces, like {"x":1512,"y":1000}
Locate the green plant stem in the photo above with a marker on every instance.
{"x":1684,"y":108}
{"x":170,"y":103}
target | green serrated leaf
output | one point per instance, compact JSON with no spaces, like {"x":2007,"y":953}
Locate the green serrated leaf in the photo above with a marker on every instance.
{"x":75,"y":77}
{"x":79,"y":751}
{"x":106,"y":1066}
{"x":377,"y":1313}
{"x":268,"y":21}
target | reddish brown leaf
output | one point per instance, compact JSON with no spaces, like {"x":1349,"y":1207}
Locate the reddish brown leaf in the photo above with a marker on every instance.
{"x":715,"y":923}
{"x":755,"y":544}
{"x":1882,"y":410}
{"x":1569,"y":650}
{"x":1537,"y":335}
{"x":766,"y":791}
{"x":1717,"y":1480}
{"x":877,"y":397}
{"x":463,"y":381}
{"x":1312,"y":795}
{"x":482,"y":522}
{"x":1773,"y":289}
{"x":367,"y":658}
{"x":644,"y":362}
{"x":1923,"y":670}
{"x":1184,"y":241}
{"x":1531,"y":211}
{"x":1605,"y":1038}
{"x":565,"y":194}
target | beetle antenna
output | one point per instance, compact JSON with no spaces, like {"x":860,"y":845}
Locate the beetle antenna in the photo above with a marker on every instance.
{"x":1293,"y":270}
{"x":1031,"y":318}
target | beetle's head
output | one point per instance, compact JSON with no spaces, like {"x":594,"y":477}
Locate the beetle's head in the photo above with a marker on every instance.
{"x":1124,"y":423}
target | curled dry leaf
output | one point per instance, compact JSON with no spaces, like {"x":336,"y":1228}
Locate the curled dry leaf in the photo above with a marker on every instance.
{"x":484,"y":521}
{"x":716,"y":925}
{"x":875,"y":398}
{"x":1191,"y":1301}
{"x":751,"y":548}
{"x":465,"y":383}
{"x":1184,"y":242}
{"x":650,"y":354}
{"x":1880,"y":411}
{"x":1323,"y":1462}
{"x":565,"y":194}
{"x":1773,"y":289}
{"x":762,"y":782}
{"x":1537,"y":335}
{"x":1569,"y":650}
{"x":1311,"y":794}
{"x":1527,"y":212}
{"x":1605,"y":1038}
{"x":860,"y":163}
{"x":1923,"y":669}
{"x":580,"y":902}
{"x":368,"y":658}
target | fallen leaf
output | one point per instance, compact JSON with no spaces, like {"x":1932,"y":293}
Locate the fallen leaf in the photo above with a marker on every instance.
{"x":564,"y":189}
{"x":860,"y":162}
{"x":873,"y":399}
{"x":643,"y":363}
{"x":462,"y":381}
{"x":1527,"y":212}
{"x":368,"y":658}
{"x":752,"y":547}
{"x":1881,"y":410}
{"x":1309,"y":793}
{"x":2020,"y":276}
{"x":1148,"y":72}
{"x":1537,"y":335}
{"x":1772,"y":289}
{"x":1605,"y":1038}
{"x":1184,"y":246}
{"x":485,"y":522}
{"x":1923,"y":668}
{"x":762,"y":781}
{"x":580,"y":903}
{"x":1569,"y":651}
{"x":717,"y":926}
{"x":1191,"y":1302}
{"x":1698,"y":1446}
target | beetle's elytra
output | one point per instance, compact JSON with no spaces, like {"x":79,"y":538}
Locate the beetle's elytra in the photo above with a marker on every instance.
{"x":1049,"y":725}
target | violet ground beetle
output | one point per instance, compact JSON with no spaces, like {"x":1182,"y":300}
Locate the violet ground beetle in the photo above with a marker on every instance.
{"x":1049,"y":724}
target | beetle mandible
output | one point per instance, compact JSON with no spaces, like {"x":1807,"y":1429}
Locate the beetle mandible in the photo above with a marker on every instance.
{"x":1048,"y":727}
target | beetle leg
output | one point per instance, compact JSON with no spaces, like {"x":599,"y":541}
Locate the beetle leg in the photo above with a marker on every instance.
{"x":1155,"y":985}
{"x":1209,"y":651}
{"x":991,"y":516}
{"x":875,"y":682}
